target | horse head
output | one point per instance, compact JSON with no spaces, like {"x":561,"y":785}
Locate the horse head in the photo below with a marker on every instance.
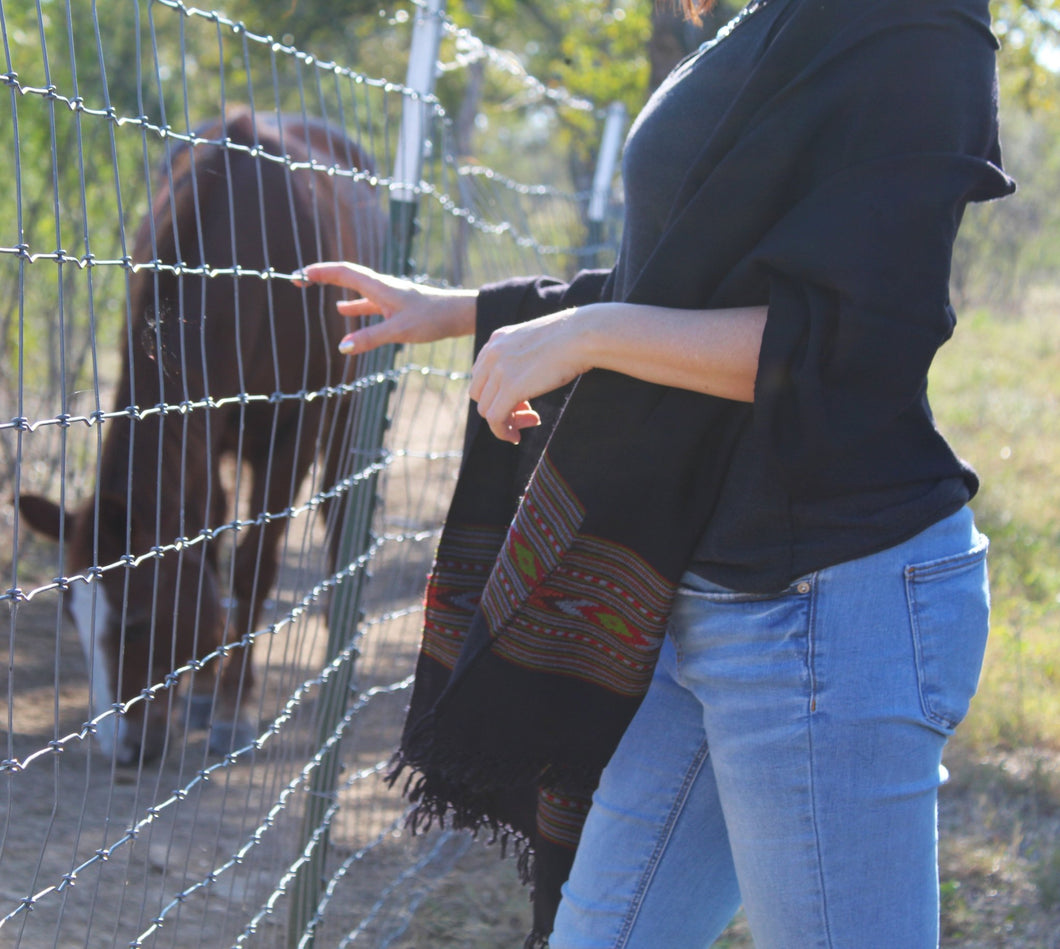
{"x":137,"y":622}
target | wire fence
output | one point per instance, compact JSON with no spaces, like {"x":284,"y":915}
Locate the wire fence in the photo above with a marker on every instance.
{"x":215,"y":531}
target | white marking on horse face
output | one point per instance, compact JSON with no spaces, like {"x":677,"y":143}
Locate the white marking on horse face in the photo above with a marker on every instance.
{"x":92,"y":615}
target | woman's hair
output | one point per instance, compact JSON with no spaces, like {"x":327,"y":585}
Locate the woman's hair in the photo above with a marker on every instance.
{"x":694,"y":9}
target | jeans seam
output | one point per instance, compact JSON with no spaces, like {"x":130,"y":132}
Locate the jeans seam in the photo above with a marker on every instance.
{"x":931,"y":569}
{"x":811,"y":715}
{"x":637,"y":899}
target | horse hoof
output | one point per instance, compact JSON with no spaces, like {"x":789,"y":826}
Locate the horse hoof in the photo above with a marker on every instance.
{"x":228,"y":737}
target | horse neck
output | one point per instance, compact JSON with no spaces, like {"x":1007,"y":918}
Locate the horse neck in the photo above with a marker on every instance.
{"x":154,"y":459}
{"x":157,"y":458}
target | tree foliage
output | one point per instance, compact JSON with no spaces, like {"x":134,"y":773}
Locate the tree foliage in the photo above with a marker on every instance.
{"x":1009,"y":247}
{"x":1029,"y":31}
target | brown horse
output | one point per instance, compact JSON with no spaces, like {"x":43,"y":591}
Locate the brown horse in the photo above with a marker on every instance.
{"x":214,"y":344}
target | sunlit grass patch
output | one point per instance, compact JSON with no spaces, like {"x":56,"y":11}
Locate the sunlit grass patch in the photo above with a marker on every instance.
{"x":995,"y":389}
{"x":1000,"y":848}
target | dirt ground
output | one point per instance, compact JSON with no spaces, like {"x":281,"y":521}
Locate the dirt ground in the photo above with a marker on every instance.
{"x":193,"y":849}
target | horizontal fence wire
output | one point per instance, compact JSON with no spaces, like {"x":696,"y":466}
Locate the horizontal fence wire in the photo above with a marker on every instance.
{"x":182,"y":445}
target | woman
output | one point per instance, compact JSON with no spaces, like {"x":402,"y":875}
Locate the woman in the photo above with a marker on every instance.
{"x":745,"y":527}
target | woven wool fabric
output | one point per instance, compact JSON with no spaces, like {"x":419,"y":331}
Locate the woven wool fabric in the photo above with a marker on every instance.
{"x":831,"y":191}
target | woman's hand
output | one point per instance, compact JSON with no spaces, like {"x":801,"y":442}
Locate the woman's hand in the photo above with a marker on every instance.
{"x":521,"y":362}
{"x":710,"y":351}
{"x":411,"y":313}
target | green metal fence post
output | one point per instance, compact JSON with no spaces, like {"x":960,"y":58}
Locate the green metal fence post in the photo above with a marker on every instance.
{"x":356,"y":538}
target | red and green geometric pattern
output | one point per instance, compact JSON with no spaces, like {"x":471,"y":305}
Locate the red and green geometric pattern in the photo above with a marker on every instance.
{"x":543,"y":529}
{"x":573,"y":605}
{"x":455,"y":588}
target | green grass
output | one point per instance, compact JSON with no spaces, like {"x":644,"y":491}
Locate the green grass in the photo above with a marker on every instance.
{"x":995,"y":389}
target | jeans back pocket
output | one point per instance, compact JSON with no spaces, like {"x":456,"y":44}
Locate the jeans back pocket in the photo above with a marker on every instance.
{"x":949,"y":609}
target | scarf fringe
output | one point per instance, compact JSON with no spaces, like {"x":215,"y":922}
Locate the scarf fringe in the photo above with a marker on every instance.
{"x":471,"y":774}
{"x":431,"y":809}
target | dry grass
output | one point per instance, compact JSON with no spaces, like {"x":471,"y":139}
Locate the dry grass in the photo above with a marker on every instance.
{"x":1000,"y":850}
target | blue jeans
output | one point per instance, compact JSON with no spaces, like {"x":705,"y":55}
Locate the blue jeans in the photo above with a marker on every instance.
{"x":787,"y":757}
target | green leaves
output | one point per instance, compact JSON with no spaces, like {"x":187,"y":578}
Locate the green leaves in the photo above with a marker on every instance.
{"x":1029,"y":61}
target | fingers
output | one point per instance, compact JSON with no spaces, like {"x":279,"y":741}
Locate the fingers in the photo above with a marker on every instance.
{"x":368,"y":337}
{"x":360,"y":307}
{"x":373,"y":288}
{"x":505,"y":413}
{"x":508,"y":428}
{"x":340,"y":274}
{"x":505,"y":419}
{"x":524,"y":417}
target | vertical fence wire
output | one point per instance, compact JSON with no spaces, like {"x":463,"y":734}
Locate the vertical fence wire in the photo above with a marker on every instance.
{"x":183,"y":446}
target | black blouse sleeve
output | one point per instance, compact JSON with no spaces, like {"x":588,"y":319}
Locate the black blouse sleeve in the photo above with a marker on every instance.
{"x":903,"y":134}
{"x":521,"y":299}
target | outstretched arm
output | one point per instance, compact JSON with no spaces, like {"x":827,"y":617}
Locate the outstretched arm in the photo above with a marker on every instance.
{"x":709,"y":351}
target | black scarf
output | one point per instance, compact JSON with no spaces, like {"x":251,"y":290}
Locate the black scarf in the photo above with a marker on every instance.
{"x":832,"y":192}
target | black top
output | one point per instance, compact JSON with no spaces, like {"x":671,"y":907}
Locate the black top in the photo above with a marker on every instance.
{"x":816,"y":160}
{"x":666,"y":136}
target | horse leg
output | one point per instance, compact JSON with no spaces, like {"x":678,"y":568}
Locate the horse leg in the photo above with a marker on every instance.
{"x":254,"y":570}
{"x":275,"y":474}
{"x":200,"y":697}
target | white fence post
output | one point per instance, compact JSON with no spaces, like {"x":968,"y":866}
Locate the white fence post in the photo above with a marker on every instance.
{"x":606,"y":162}
{"x":415,"y":125}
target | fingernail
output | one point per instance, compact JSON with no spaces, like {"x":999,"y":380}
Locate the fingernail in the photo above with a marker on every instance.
{"x":346,"y":347}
